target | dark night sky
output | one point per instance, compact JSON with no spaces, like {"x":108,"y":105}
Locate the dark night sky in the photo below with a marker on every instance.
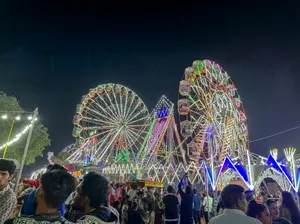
{"x":51,"y":54}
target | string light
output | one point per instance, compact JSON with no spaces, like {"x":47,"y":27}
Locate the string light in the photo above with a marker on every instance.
{"x":17,"y":137}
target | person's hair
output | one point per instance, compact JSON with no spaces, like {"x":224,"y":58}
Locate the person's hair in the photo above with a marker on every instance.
{"x":288,"y":202}
{"x":231,"y":194}
{"x":55,"y":167}
{"x":57,"y":186}
{"x":255,"y":209}
{"x":116,"y":204}
{"x":95,"y":187}
{"x":188,"y":189}
{"x":249,"y":195}
{"x":170,"y":189}
{"x":140,"y":193}
{"x":270,"y":202}
{"x":8,"y":165}
{"x":195,"y":191}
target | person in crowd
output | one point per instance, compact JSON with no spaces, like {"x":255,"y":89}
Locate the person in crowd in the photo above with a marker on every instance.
{"x":24,"y":189}
{"x":197,"y":207}
{"x":145,"y":208}
{"x":91,"y":198}
{"x":151,"y":201}
{"x":220,"y":208}
{"x":30,"y":203}
{"x":249,"y":195}
{"x":134,"y":216}
{"x":208,"y":205}
{"x":186,"y":207}
{"x":261,"y":198}
{"x":159,"y":208}
{"x":8,"y":199}
{"x":124,"y":210}
{"x":234,"y":200}
{"x":117,"y":206}
{"x":132,"y":192}
{"x":274,"y":211}
{"x":260,"y":212}
{"x":289,"y":209}
{"x":171,"y":203}
{"x":54,"y":189}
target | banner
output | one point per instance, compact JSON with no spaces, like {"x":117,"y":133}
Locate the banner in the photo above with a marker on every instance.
{"x":149,"y":183}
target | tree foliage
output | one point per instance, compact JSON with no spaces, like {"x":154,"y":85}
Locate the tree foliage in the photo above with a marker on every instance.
{"x":40,"y":139}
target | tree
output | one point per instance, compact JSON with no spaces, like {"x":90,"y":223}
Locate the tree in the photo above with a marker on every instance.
{"x":10,"y":106}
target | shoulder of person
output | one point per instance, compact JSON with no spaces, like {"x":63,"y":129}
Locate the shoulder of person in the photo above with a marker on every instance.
{"x":89,"y":219}
{"x":18,"y":220}
{"x":283,"y":221}
{"x":254,"y":220}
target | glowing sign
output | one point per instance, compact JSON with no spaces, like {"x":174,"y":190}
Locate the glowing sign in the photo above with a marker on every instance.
{"x":162,"y":113}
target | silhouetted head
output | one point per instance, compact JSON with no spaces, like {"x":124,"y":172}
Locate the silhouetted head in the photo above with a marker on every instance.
{"x":188,"y":189}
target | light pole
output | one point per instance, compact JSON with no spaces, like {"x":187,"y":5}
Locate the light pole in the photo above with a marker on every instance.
{"x":9,"y":141}
{"x":35,"y":113}
{"x":8,"y":138}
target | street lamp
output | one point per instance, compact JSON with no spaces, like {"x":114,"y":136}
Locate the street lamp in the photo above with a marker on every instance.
{"x":4,"y":116}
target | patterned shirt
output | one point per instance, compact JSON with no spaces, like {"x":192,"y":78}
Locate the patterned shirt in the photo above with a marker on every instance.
{"x":8,"y":202}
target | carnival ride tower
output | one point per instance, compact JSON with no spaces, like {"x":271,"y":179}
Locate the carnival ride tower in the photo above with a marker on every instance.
{"x":162,"y":145}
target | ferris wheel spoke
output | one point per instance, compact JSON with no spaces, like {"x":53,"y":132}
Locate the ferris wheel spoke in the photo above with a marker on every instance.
{"x":102,"y":141}
{"x":136,"y":139}
{"x":133,"y":145}
{"x":193,"y":111}
{"x":130,"y":146}
{"x":125,"y":105}
{"x":112,"y":103}
{"x":106,"y":118}
{"x":121,"y":104}
{"x":105,"y":111}
{"x":109,"y":144}
{"x":97,"y":128}
{"x":96,"y":121}
{"x":138,"y":120}
{"x":130,"y":105}
{"x":118,"y":109}
{"x":138,"y":130}
{"x":129,"y":118}
{"x":112,"y":113}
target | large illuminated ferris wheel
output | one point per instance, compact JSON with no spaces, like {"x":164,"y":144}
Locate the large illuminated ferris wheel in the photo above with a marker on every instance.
{"x":213,"y":120}
{"x":110,"y":122}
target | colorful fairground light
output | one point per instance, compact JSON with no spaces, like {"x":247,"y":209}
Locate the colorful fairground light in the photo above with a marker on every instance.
{"x":213,"y":122}
{"x":110,"y":125}
{"x":160,"y":151}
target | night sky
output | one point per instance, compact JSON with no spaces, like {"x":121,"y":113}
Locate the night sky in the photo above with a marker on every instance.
{"x":52,"y":54}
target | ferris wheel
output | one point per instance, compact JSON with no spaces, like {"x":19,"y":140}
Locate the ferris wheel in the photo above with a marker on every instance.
{"x":213,"y":121}
{"x":110,"y":122}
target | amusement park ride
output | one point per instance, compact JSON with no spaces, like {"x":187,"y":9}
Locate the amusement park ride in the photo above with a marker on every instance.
{"x":114,"y":131}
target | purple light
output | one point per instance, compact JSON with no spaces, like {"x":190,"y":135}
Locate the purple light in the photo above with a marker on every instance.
{"x":155,"y":134}
{"x":280,"y":168}
{"x":228,"y":164}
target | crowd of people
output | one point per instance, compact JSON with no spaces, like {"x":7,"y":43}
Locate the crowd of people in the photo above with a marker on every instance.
{"x":58,"y":197}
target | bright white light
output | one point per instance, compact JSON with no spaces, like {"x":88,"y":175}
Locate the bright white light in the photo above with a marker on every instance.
{"x":4,"y":116}
{"x":18,"y":118}
{"x":30,"y":118}
{"x":17,"y":137}
{"x":35,"y":119}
